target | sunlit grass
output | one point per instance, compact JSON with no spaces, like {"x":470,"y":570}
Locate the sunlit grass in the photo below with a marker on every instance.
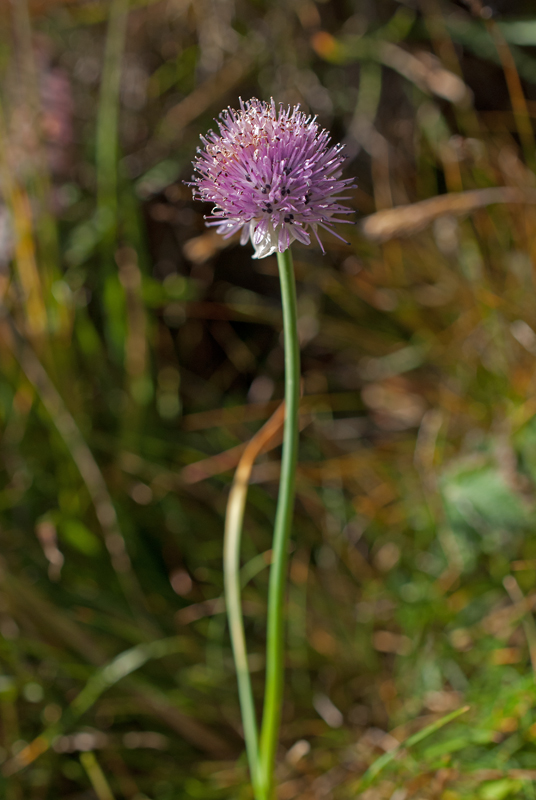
{"x":136,"y":364}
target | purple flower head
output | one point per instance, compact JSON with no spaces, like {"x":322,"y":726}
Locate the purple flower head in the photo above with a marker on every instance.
{"x":272,"y":174}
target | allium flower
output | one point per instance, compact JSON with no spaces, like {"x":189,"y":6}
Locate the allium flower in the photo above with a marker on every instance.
{"x":272,"y":174}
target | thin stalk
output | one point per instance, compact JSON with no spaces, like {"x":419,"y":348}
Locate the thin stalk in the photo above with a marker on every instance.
{"x":273,"y":695}
{"x":231,"y":559}
{"x":234,"y":581}
{"x":108,"y":121}
{"x":515,"y":90}
{"x":377,"y":766}
{"x":101,"y":787}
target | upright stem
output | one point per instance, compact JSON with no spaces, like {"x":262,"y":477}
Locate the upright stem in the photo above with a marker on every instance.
{"x":273,"y":695}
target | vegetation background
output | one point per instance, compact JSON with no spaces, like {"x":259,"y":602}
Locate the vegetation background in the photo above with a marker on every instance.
{"x":139,"y":352}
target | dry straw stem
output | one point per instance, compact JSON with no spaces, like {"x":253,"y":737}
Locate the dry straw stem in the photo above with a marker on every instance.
{"x":18,"y":203}
{"x":266,"y":438}
{"x":222,"y":462}
{"x":224,"y":417}
{"x":423,"y":70}
{"x":513,"y":82}
{"x":215,"y":465}
{"x":234,"y":518}
{"x":529,"y":626}
{"x":26,"y":263}
{"x":408,"y":220}
{"x":204,"y":96}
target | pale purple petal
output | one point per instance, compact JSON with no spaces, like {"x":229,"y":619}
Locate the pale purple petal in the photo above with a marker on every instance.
{"x":271,"y":173}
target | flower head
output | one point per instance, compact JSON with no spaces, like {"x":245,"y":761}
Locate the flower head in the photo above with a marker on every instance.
{"x":272,"y":174}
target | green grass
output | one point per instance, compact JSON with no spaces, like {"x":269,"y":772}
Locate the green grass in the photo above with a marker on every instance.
{"x":148,"y":345}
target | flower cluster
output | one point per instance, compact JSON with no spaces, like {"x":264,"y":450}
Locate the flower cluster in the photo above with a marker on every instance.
{"x":271,"y":173}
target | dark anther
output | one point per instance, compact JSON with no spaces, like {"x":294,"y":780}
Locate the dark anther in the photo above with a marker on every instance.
{"x":287,"y":170}
{"x":264,"y":191}
{"x":288,"y":218}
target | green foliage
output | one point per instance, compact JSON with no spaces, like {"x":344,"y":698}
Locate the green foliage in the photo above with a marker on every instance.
{"x":75,"y":534}
{"x":137,"y":347}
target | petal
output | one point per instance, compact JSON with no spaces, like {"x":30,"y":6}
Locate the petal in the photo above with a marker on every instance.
{"x":260,"y":232}
{"x":301,"y":234}
{"x":229,"y":227}
{"x":245,"y":233}
{"x":265,"y":239}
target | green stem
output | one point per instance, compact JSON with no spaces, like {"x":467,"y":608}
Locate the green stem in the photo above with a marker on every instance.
{"x":273,"y":695}
{"x":231,"y":558}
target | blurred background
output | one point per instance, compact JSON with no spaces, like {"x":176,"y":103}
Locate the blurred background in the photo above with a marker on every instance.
{"x":139,"y":352}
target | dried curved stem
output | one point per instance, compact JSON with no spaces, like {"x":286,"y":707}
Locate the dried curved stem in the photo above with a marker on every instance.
{"x":233,"y":529}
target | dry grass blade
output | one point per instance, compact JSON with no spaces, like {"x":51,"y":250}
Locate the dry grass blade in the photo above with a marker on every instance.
{"x":234,"y":518}
{"x":268,"y":436}
{"x":198,"y":101}
{"x":425,"y":72}
{"x":221,"y":462}
{"x":408,"y":220}
{"x":244,"y":454}
{"x":527,"y":620}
